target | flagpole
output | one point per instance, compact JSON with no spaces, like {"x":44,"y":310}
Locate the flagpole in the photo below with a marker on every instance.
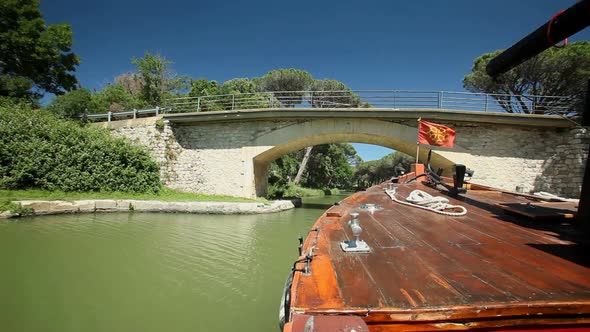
{"x":418,"y":143}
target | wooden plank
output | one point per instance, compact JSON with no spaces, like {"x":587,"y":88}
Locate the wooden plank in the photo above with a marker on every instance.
{"x":496,"y":269}
{"x":355,"y":281}
{"x":428,"y":267}
{"x":510,"y":253}
{"x":553,"y":210}
{"x":320,"y":289}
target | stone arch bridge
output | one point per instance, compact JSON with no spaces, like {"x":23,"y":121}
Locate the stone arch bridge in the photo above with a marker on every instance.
{"x":228,"y":152}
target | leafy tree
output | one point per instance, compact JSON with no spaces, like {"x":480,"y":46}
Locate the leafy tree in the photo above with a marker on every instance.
{"x":226,"y":96}
{"x":238,"y":85}
{"x":329,"y":166}
{"x":131,"y":82}
{"x":202,"y":88}
{"x":376,"y":171}
{"x":283,"y":169}
{"x":243,"y":95}
{"x":332,"y":93}
{"x":554,"y":72}
{"x":34,"y":57}
{"x":115,"y":98}
{"x":158,"y":80}
{"x":74,"y":103}
{"x":281,"y":80}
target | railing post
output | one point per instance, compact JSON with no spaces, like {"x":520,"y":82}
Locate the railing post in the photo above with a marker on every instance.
{"x":233,"y":101}
{"x":109,"y":115}
{"x":198,"y":104}
{"x":157,"y":110}
{"x":311,"y":99}
{"x":440,"y":99}
{"x":486,"y":104}
{"x":394,"y":106}
{"x":134,"y":113}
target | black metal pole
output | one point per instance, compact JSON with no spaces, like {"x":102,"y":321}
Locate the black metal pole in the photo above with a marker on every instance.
{"x":584,"y":205}
{"x":574,"y":19}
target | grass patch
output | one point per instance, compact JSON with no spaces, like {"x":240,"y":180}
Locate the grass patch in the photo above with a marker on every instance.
{"x":14,"y":208}
{"x":166,"y":194}
{"x":291,"y":190}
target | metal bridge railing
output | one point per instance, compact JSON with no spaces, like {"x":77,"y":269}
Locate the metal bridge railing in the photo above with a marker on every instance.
{"x":386,"y":99}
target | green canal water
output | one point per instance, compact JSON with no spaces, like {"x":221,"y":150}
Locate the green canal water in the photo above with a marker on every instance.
{"x":149,"y":271}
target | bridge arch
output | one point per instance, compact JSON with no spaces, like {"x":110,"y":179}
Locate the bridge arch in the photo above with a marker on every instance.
{"x":227,"y":153}
{"x":293,"y":137}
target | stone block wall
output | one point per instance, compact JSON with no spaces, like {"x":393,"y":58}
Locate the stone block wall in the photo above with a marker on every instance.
{"x":536,"y":159}
{"x":563,"y":171}
{"x":218,"y":157}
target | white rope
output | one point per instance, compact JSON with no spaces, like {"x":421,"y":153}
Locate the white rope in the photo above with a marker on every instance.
{"x":424,"y":200}
{"x":547,"y":195}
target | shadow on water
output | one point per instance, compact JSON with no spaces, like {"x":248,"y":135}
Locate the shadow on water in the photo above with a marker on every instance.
{"x":323,"y":202}
{"x":317,"y":206}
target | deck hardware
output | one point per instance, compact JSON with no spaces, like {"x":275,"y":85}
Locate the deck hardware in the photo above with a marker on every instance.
{"x":354,"y":218}
{"x":356,"y":244}
{"x":300,"y":247}
{"x":370,"y":207}
{"x":305,"y":270}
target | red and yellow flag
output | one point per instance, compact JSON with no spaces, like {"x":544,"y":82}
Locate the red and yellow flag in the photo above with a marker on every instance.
{"x":435,"y":134}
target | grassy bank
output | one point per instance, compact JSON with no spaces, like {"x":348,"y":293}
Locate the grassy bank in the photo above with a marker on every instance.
{"x":292,"y":190}
{"x":168,"y":195}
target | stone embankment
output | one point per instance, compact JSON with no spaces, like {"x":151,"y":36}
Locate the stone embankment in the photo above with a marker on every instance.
{"x":106,"y":205}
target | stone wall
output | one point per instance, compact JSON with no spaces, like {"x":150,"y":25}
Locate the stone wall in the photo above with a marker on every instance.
{"x":220,"y":157}
{"x":158,"y":139}
{"x":550,"y":160}
{"x":128,"y":205}
{"x":563,"y":170}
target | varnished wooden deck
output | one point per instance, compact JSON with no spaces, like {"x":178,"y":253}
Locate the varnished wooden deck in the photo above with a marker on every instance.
{"x":428,"y":270}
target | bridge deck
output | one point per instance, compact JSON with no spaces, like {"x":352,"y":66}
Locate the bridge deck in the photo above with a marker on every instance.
{"x":515,"y":119}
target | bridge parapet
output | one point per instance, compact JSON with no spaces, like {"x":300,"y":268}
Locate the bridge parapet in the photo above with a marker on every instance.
{"x":358,"y":100}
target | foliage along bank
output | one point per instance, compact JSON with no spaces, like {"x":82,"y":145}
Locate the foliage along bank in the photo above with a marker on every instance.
{"x":373,"y":172}
{"x":332,"y":167}
{"x":39,"y":150}
{"x":329,"y":166}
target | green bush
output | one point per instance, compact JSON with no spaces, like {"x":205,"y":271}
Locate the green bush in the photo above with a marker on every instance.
{"x":38,"y":150}
{"x":277,"y":190}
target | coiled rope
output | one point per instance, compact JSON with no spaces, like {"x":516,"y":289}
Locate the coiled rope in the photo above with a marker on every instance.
{"x":424,"y":200}
{"x":550,"y":196}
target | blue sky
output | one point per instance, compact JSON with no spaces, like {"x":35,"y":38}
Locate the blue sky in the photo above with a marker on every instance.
{"x":423,"y":45}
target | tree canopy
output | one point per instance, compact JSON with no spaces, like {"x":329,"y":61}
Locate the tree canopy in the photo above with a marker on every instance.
{"x":329,"y":166}
{"x":332,"y":93}
{"x":281,"y":80}
{"x":34,"y":57}
{"x":376,"y":171}
{"x":554,"y":72}
{"x":158,"y":81}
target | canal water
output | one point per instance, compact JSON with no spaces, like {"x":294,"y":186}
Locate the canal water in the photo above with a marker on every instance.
{"x":149,"y":271}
